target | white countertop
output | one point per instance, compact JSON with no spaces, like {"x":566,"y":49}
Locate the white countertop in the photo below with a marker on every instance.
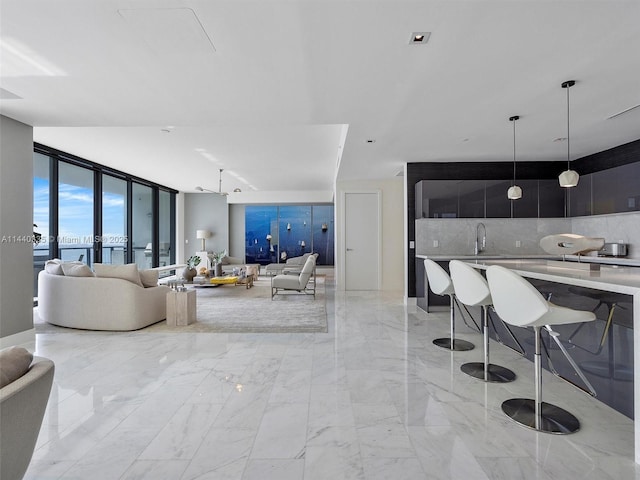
{"x":482,"y":256}
{"x":627,"y":262}
{"x":620,"y":279}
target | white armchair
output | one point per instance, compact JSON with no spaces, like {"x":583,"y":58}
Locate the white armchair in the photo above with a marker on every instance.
{"x":300,"y":283}
{"x":22,"y":406}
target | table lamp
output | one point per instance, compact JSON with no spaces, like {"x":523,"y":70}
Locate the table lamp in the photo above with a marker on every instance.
{"x":203,"y":234}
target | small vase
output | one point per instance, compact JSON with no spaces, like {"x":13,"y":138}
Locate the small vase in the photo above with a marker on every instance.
{"x":218,"y":270}
{"x":189,"y":273}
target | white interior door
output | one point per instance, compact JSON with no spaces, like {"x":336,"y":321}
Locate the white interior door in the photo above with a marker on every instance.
{"x":362,"y":241}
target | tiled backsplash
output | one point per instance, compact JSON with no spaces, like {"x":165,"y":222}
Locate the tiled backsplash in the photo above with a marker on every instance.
{"x":457,"y":236}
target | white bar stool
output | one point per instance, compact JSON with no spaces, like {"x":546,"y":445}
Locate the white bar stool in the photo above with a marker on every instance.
{"x":440,"y":283}
{"x":518,"y":303}
{"x":472,"y":290}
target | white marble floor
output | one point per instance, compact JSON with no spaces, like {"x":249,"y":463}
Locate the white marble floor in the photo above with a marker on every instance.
{"x":372,"y":399}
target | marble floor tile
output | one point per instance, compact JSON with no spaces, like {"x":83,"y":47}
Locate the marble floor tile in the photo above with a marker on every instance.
{"x":274,"y":469}
{"x":371,"y":399}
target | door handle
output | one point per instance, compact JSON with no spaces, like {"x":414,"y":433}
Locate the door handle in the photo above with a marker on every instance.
{"x":349,"y":249}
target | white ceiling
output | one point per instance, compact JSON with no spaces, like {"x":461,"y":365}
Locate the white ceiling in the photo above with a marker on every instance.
{"x":266,"y":89}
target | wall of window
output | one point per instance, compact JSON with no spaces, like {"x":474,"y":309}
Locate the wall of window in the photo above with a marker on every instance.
{"x":91,"y":213}
{"x":275,"y":233}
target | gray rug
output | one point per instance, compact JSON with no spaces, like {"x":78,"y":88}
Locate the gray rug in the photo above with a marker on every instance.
{"x":236,"y":309}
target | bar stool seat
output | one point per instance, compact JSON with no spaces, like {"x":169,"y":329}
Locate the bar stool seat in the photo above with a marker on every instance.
{"x":472,"y":290}
{"x":518,"y":303}
{"x":440,"y":284}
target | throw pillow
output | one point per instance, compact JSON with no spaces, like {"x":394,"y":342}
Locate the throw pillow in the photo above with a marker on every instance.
{"x":126,"y":272}
{"x":149,"y":278}
{"x":72,"y":269}
{"x":53,"y":267}
{"x":14,"y":363}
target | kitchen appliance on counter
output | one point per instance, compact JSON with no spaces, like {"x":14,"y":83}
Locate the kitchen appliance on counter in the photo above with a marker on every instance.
{"x":613,"y":250}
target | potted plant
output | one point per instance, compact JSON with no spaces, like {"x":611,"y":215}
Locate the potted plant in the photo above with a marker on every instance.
{"x":190,"y":270}
{"x":216,"y":261}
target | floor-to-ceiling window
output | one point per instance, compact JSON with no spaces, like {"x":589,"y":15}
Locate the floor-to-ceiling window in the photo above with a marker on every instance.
{"x":75,"y":213}
{"x":165,"y":222}
{"x":142,"y":234}
{"x":275,"y":233}
{"x":85,"y":211}
{"x":114,"y":220}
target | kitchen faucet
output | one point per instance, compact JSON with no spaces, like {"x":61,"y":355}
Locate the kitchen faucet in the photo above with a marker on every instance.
{"x":480,"y":244}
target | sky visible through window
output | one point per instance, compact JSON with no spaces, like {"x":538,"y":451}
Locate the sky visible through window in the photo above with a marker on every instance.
{"x":76,"y":207}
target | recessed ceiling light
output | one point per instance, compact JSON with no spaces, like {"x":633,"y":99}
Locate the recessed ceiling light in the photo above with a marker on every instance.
{"x":419,"y":38}
{"x":371,"y":140}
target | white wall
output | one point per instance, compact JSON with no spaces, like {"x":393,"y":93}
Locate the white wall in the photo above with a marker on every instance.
{"x":393,"y":213}
{"x":16,"y":220}
{"x":236,"y":231}
{"x":280,"y":197}
{"x":205,"y":211}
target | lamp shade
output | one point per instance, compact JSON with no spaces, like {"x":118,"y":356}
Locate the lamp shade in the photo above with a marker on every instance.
{"x":514,"y":193}
{"x":569,"y":178}
{"x":202,"y":235}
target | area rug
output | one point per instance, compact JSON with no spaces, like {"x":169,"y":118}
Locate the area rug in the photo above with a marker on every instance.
{"x":236,"y":309}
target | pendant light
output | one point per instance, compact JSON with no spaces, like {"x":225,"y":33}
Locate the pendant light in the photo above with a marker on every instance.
{"x":514,"y":192}
{"x":568,"y":178}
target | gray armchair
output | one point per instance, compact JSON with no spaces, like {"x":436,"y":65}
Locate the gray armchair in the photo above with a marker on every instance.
{"x":300,"y":283}
{"x":22,"y":406}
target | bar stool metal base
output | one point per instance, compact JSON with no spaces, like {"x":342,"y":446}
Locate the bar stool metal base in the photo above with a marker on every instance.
{"x":458,"y":345}
{"x":554,"y":419}
{"x":496,"y":374}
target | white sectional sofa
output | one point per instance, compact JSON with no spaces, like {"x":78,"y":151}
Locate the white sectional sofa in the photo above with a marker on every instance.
{"x":97,"y":303}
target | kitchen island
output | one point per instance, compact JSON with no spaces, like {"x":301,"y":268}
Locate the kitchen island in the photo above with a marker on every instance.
{"x":606,"y":356}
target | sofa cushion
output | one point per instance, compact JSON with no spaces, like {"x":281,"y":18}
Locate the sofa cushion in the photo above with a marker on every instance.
{"x":149,"y":278}
{"x":125,"y":272}
{"x":14,"y":363}
{"x":53,"y":267}
{"x":72,"y":269}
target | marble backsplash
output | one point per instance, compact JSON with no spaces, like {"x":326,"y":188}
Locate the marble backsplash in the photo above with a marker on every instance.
{"x":457,"y":235}
{"x":503,"y":235}
{"x":615,"y":227}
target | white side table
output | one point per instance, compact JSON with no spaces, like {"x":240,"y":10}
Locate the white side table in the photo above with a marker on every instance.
{"x":181,"y":308}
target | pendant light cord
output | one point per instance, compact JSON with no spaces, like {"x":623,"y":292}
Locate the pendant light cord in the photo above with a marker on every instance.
{"x":568,"y":136}
{"x":514,"y":119}
{"x":514,"y":152}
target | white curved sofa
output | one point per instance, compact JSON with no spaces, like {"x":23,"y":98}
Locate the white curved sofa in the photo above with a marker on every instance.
{"x":97,"y":303}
